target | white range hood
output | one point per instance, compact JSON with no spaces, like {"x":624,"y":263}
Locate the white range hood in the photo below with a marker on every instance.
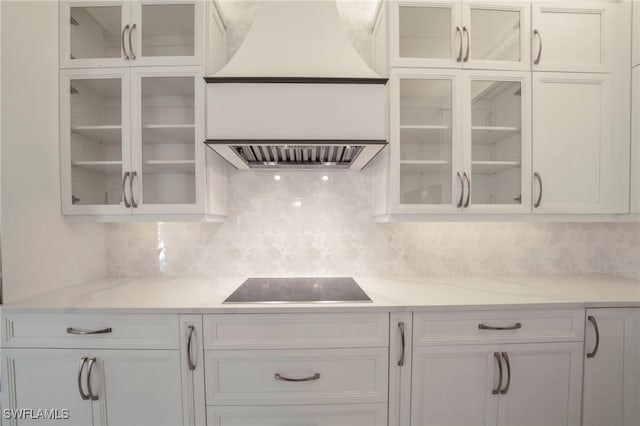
{"x":296,"y":94}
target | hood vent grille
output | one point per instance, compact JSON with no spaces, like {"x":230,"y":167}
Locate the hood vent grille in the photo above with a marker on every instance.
{"x":302,"y":156}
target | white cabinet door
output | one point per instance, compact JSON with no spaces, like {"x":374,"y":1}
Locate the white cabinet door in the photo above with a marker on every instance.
{"x":425,"y":33}
{"x":635,"y":136}
{"x":137,"y":388}
{"x":573,"y":36}
{"x":94,"y":33}
{"x":543,"y":385}
{"x":426,"y":174}
{"x":95,"y":144}
{"x":611,"y":368}
{"x":46,"y":378}
{"x":168,"y":156}
{"x":192,"y":362}
{"x":572,"y":143}
{"x":453,"y":385}
{"x":168,"y":32}
{"x":496,"y":35}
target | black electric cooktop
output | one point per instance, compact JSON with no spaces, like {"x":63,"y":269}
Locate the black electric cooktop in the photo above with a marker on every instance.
{"x":298,"y":290}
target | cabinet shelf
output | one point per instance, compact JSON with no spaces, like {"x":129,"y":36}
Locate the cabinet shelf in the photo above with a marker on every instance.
{"x":169,"y":166}
{"x":105,"y":167}
{"x":425,"y":126}
{"x":431,"y":166}
{"x":491,"y":167}
{"x":168,"y":133}
{"x":109,"y":134}
{"x":489,"y":135}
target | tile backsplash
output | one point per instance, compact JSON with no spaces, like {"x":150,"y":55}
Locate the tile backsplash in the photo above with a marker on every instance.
{"x":303,"y":224}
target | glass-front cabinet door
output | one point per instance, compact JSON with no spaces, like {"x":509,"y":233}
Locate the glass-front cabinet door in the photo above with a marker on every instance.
{"x":497,"y":142}
{"x":169,"y":156}
{"x":95,"y":140}
{"x":94,"y":33}
{"x":168,"y":32}
{"x":425,"y":153}
{"x":459,"y":34}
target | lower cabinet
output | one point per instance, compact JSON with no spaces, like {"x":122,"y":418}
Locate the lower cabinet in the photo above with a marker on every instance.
{"x":611,"y":393}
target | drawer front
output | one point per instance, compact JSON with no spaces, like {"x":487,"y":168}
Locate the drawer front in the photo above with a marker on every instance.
{"x":307,"y":415}
{"x":548,"y":325}
{"x":333,"y":376}
{"x":275,"y":331}
{"x":57,"y":331}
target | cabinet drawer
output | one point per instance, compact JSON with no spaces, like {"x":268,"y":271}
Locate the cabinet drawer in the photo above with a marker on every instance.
{"x":277,"y":377}
{"x":57,"y":331}
{"x":548,"y":325}
{"x":308,"y":415}
{"x":275,"y":331}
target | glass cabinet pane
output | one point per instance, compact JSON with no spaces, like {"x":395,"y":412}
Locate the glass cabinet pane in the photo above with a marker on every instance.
{"x":168,"y":30}
{"x":168,"y":140}
{"x":425,"y":32}
{"x":425,"y":141}
{"x":95,"y":32}
{"x":96,"y":141}
{"x":496,"y":142}
{"x":495,"y":35}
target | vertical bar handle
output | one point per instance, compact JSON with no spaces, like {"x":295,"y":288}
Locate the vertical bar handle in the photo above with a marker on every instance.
{"x":505,"y":390}
{"x":124,"y":48}
{"x":537,"y":34}
{"x":402,"y":340}
{"x":459,"y":58}
{"x":461,"y":190}
{"x":190,"y":363}
{"x":131,"y":52}
{"x":539,"y":200}
{"x":83,"y":362}
{"x":468,"y":199}
{"x":593,"y":321}
{"x":92,"y":362}
{"x":496,"y":391}
{"x":124,"y":190}
{"x":134,"y":204}
{"x":466,"y":33}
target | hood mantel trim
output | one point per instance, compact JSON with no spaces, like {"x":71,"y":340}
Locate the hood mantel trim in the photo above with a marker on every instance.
{"x":299,"y":80}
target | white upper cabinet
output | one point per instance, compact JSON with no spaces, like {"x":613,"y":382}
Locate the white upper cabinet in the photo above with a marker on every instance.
{"x":122,"y":33}
{"x":460,"y":141}
{"x":574,"y":36}
{"x":454,"y":34}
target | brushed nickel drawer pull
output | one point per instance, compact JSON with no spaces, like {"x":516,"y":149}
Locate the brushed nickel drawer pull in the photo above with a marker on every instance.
{"x":593,"y":321}
{"x":459,"y":58}
{"x":83,"y":362}
{"x":305,"y":379}
{"x":505,"y":390}
{"x":190,"y":363}
{"x":92,"y":396}
{"x":72,"y":330}
{"x":516,"y":326}
{"x":401,"y":327}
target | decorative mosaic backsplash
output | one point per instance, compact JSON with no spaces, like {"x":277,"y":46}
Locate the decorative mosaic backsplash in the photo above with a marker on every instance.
{"x":304,"y":225}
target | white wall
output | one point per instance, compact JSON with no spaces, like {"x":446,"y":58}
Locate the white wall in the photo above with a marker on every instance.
{"x":332,"y":232}
{"x":40,"y":251}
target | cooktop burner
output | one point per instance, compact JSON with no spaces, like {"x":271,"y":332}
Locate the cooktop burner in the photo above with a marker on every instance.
{"x":298,"y":290}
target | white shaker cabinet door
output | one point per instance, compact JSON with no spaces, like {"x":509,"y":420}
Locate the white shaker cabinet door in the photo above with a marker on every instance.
{"x":46,"y":378}
{"x":453,"y":385}
{"x":543,"y":385}
{"x":137,"y":388}
{"x":635,"y":136}
{"x":573,"y":144}
{"x":611,"y":368}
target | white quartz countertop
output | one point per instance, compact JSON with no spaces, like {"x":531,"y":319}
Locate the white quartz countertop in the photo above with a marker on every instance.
{"x":200,"y":295}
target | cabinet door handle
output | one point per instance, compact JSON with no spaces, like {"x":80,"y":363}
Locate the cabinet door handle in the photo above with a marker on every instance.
{"x":515,"y":326}
{"x":124,"y":190}
{"x":468,"y":199}
{"x":461,"y":190}
{"x":508,"y":364}
{"x":190,"y":362}
{"x":459,"y":58}
{"x":133,"y":200}
{"x":537,"y":34}
{"x":71,"y":330}
{"x":131,"y":51}
{"x":124,"y":48}
{"x":304,"y":379}
{"x":92,"y":362}
{"x":83,"y":362}
{"x":466,"y":33}
{"x":539,"y":179}
{"x":593,"y":321}
{"x":496,"y":391}
{"x":401,"y":360}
